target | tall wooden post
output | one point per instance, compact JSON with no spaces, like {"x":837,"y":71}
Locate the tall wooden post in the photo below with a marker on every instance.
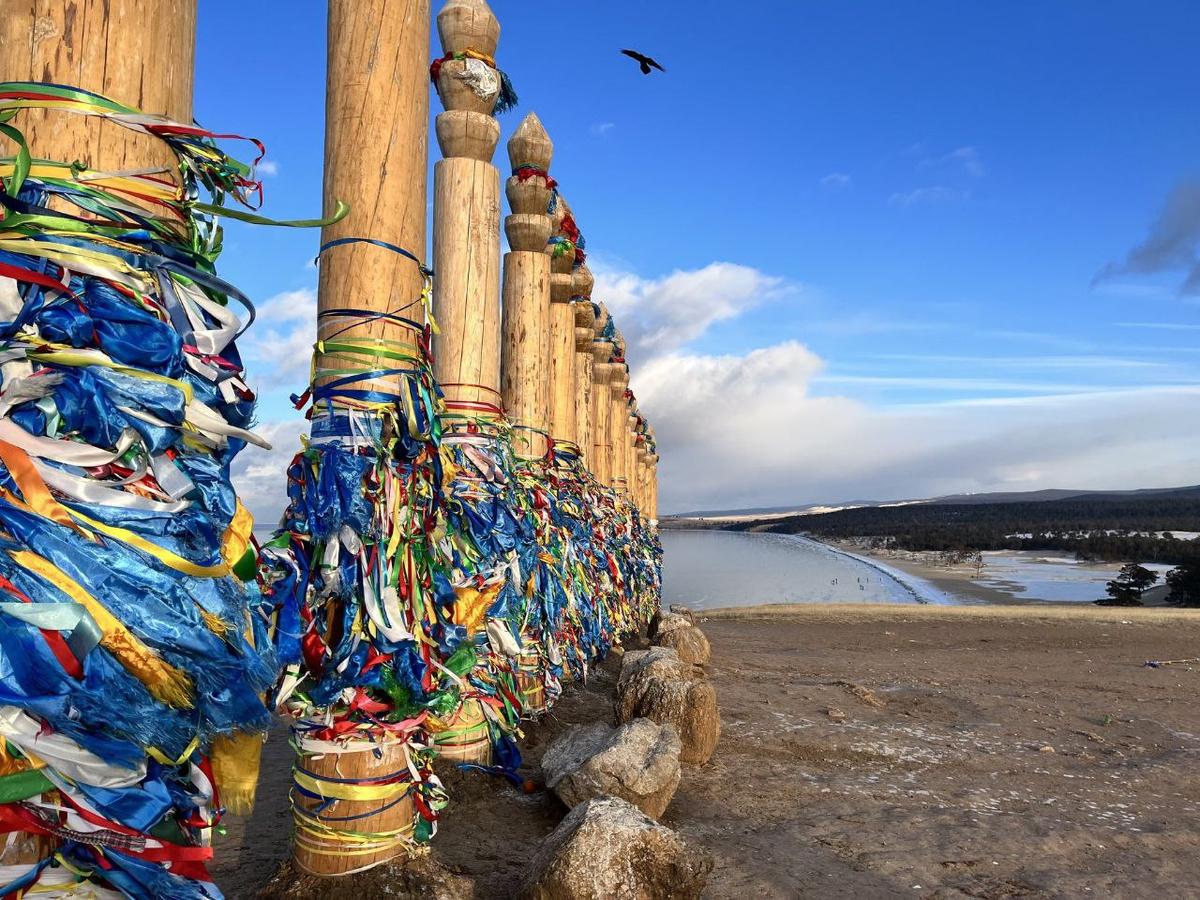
{"x":562,"y":328}
{"x":652,"y":475}
{"x":525,"y":364}
{"x":142,"y":55}
{"x":376,"y":152}
{"x":631,"y":448}
{"x":618,"y":419}
{"x":466,"y":214}
{"x":376,"y":155}
{"x":143,"y":58}
{"x":585,"y":321}
{"x":654,"y":487}
{"x":602,"y":373}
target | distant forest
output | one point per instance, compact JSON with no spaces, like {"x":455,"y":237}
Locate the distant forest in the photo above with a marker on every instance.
{"x":1095,"y":526}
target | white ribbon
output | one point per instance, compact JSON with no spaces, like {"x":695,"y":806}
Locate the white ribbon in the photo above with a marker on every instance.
{"x":62,"y":754}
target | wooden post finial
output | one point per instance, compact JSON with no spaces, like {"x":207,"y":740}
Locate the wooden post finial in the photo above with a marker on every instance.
{"x":468,"y":25}
{"x":530,"y":152}
{"x":469,"y":86}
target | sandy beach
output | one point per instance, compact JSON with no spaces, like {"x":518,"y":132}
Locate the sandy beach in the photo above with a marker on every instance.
{"x":885,"y":751}
{"x":963,"y":582}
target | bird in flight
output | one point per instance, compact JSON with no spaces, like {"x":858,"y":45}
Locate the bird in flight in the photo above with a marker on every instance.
{"x":646,"y":61}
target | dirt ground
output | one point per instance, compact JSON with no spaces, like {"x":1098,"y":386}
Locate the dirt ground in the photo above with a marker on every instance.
{"x":887,"y":751}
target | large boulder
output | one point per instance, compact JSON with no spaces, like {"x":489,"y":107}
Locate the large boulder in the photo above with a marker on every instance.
{"x":606,"y":849}
{"x":637,"y":762}
{"x":656,"y":684}
{"x":678,"y":609}
{"x":681,"y":635}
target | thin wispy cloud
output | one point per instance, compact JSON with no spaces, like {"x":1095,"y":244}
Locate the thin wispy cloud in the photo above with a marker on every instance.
{"x":866,"y":323}
{"x":1131,"y":289}
{"x":1173,"y":244}
{"x":1024,"y":362}
{"x":957,"y":385}
{"x":965,"y":159}
{"x":601,"y":129}
{"x":1160,"y":326}
{"x":268,"y":167}
{"x":936,"y":195}
{"x":836,"y":181}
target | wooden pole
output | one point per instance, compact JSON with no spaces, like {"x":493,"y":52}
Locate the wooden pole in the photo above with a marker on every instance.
{"x":654,"y":487}
{"x":137,"y":52}
{"x":141,"y":55}
{"x":630,"y":450}
{"x":602,"y":372}
{"x":525,"y":365}
{"x":376,"y":153}
{"x":585,"y":322}
{"x":466,"y":214}
{"x":618,"y":418}
{"x":562,"y":331}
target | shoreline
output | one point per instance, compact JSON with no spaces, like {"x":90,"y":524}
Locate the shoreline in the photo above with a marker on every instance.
{"x":897,"y":574}
{"x":1024,"y":612}
{"x":962,"y":586}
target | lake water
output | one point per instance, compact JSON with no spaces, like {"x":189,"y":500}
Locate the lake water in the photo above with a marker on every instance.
{"x":709,"y":569}
{"x":1054,"y":577}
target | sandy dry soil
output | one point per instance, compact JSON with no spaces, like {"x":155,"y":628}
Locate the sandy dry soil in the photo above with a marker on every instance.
{"x":888,"y":752}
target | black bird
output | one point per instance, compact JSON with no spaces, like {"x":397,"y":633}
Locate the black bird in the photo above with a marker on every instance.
{"x":646,"y":61}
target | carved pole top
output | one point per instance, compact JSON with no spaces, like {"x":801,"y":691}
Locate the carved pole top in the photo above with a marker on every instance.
{"x":468,"y":25}
{"x":585,"y":316}
{"x":583,"y":281}
{"x":530,"y":145}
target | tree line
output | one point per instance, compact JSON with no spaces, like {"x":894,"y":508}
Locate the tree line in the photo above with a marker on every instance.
{"x":1110,"y":528}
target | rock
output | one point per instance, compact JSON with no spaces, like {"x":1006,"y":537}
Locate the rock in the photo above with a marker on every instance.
{"x":678,"y":633}
{"x":637,"y":762}
{"x":656,"y":684}
{"x":419,"y":878}
{"x":605,"y":849}
{"x":678,"y":609}
{"x":652,"y":625}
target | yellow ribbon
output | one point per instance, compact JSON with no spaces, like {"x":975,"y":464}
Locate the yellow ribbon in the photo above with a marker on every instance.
{"x":165,"y":683}
{"x":337,"y":791}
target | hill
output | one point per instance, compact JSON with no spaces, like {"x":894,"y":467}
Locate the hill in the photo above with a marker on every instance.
{"x":1154,"y":524}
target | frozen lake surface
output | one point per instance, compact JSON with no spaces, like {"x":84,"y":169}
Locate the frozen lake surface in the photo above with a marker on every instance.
{"x":1036,"y":575}
{"x":709,"y":569}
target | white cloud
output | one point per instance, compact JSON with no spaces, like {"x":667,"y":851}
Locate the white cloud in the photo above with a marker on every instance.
{"x":736,"y":431}
{"x":659,"y":315}
{"x":836,"y":181}
{"x":964,"y":158}
{"x":928,"y":195}
{"x":260,"y":476}
{"x":771,"y":426}
{"x":279,"y":351}
{"x":601,"y":129}
{"x":268,"y":167}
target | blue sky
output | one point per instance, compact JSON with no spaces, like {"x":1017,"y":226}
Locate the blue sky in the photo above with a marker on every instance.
{"x":853,"y":222}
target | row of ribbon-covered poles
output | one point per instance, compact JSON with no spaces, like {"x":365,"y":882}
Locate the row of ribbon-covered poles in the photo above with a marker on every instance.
{"x":470,"y":522}
{"x":472,"y":519}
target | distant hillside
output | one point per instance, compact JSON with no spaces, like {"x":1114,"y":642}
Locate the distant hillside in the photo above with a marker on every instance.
{"x":950,"y":499}
{"x":1112,"y":525}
